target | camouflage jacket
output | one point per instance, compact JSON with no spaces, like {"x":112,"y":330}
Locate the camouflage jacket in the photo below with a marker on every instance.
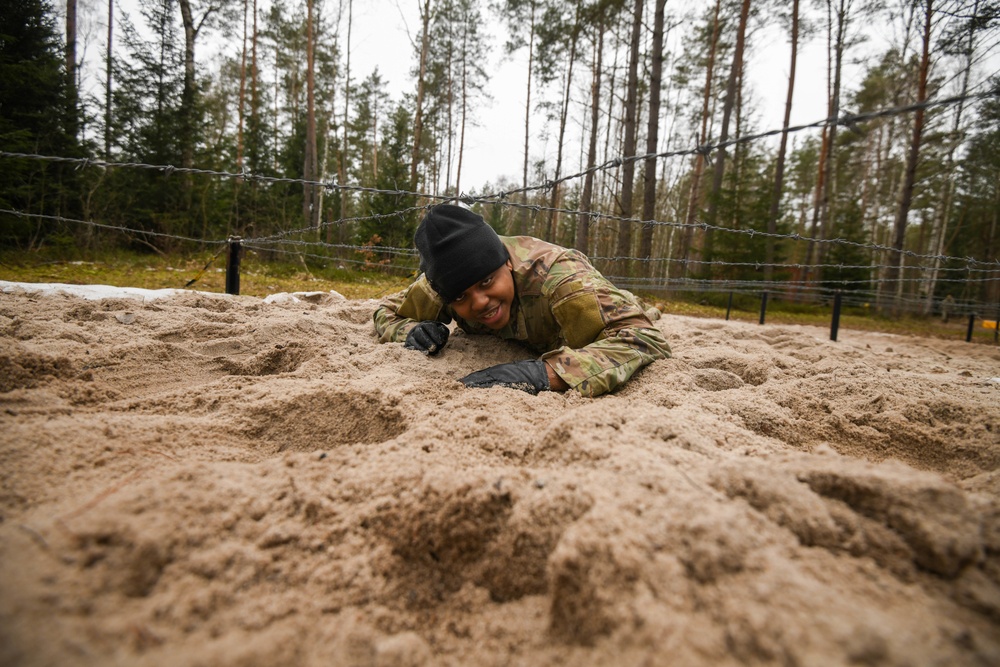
{"x":593,"y":335}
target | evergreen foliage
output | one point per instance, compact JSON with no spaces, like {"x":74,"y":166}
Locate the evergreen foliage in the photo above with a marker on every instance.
{"x":34,"y":119}
{"x":246,"y":111}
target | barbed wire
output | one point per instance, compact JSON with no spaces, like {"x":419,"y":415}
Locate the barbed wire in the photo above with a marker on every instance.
{"x":260,"y":244}
{"x":118,"y":228}
{"x":764,"y":284}
{"x":339,"y":221}
{"x":384,"y":250}
{"x":703,"y":226}
{"x":245,"y":175}
{"x":845,"y":119}
{"x":779,"y":265}
{"x":861,"y":298}
{"x":340,"y":260}
{"x":502,"y":199}
{"x":789,"y":289}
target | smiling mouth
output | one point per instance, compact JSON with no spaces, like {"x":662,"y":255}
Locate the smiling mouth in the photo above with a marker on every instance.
{"x":489,"y":315}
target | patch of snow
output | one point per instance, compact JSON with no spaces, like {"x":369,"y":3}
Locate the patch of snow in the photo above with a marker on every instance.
{"x":93,"y":292}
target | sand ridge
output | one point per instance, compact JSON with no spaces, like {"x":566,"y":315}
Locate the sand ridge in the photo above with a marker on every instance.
{"x":190,"y":478}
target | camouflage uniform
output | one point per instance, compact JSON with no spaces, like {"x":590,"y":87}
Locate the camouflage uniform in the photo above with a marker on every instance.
{"x":592,"y":334}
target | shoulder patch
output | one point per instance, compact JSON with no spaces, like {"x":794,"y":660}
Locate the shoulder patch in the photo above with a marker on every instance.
{"x":580,"y":318}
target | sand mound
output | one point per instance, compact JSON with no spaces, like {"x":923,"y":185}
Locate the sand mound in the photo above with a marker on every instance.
{"x":208,"y":480}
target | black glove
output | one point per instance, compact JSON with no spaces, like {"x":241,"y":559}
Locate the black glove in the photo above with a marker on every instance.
{"x":529,"y":375}
{"x":429,"y":337}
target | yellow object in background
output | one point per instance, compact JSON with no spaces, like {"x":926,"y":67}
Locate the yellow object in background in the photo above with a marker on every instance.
{"x":989,"y":324}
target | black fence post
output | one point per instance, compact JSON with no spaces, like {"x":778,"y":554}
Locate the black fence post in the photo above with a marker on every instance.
{"x":729,"y":307}
{"x":835,"y":325}
{"x":233,"y":266}
{"x":763,"y":306}
{"x":972,"y":321}
{"x":996,"y":327}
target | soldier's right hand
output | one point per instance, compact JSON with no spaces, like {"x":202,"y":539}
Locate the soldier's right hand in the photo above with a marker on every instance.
{"x":429,"y":337}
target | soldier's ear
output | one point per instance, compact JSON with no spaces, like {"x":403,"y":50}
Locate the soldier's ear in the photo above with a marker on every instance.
{"x":510,"y":265}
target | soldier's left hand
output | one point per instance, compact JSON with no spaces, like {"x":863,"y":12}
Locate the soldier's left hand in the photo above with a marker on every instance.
{"x":529,"y":375}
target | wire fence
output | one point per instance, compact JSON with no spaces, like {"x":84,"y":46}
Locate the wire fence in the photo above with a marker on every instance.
{"x":853,"y":285}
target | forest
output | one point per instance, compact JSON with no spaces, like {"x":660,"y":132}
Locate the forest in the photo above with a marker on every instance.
{"x":217,"y":119}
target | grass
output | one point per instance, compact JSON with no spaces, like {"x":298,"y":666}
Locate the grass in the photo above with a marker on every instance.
{"x":206,"y":273}
{"x":199,"y":272}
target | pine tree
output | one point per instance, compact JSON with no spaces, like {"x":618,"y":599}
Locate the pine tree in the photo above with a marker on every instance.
{"x":33,"y":103}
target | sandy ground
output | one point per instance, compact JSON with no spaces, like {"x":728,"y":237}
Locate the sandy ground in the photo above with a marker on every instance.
{"x":208,"y":480}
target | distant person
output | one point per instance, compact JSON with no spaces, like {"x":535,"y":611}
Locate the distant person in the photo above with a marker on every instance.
{"x":591,"y":335}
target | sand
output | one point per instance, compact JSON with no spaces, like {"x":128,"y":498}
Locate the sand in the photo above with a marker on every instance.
{"x":198,"y":479}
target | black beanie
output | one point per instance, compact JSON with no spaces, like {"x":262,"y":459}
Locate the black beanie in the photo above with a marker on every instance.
{"x":457,"y":249}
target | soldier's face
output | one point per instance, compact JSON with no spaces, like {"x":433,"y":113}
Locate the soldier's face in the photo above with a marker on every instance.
{"x":488,"y":301}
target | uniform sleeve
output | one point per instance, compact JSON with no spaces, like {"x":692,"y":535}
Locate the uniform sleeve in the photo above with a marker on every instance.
{"x":399,"y":313}
{"x":608,"y":336}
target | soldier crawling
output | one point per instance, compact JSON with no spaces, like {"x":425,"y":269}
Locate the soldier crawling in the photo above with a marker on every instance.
{"x":591,"y":335}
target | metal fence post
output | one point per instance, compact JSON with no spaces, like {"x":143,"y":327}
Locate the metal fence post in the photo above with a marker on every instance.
{"x":763,"y":306}
{"x":233,"y":266}
{"x":968,"y":334}
{"x":729,"y":307}
{"x":835,"y":325}
{"x":996,"y":327}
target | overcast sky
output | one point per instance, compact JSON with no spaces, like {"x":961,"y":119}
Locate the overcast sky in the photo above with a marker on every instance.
{"x":381,"y":36}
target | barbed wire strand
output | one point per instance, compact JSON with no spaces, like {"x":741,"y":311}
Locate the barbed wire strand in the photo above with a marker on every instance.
{"x":408,"y":252}
{"x":501,"y":198}
{"x":118,"y":228}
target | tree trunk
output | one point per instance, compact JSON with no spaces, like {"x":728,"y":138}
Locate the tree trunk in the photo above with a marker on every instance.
{"x":418,"y":115}
{"x":450,"y":109}
{"x":941,"y":231}
{"x":829,"y":184}
{"x":241,"y":104}
{"x":624,"y":250}
{"x":821,"y":171}
{"x":587,"y":196}
{"x":310,"y":209}
{"x":463,"y":82}
{"x":909,"y":176}
{"x":342,"y":162}
{"x":727,"y":111}
{"x":652,"y":135}
{"x":107,"y":81}
{"x":188,"y":92}
{"x":563,"y":118}
{"x":71,"y":83}
{"x":699,"y":160}
{"x":779,"y":169}
{"x":523,"y":224}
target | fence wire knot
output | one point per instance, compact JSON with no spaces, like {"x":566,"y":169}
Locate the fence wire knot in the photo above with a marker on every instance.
{"x":850,"y":121}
